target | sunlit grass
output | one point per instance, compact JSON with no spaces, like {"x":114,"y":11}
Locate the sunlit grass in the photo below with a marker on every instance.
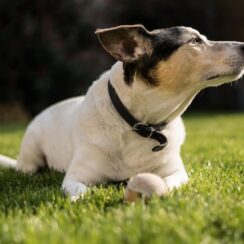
{"x":210,"y":209}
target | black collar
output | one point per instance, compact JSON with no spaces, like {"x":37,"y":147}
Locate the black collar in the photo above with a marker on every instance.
{"x":143,"y":129}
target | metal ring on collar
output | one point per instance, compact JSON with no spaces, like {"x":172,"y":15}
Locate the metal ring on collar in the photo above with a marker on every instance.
{"x":142,"y":129}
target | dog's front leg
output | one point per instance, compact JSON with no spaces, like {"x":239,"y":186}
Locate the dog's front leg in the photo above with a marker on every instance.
{"x":88,"y":167}
{"x":173,"y":173}
{"x":78,"y":177}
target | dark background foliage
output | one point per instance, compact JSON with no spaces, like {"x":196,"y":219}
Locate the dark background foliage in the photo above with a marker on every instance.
{"x":48,"y":50}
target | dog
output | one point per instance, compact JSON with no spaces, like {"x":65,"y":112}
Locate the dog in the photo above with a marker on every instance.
{"x":130,"y":119}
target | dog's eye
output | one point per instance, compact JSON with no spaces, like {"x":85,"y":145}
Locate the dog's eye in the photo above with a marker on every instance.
{"x":195,"y":40}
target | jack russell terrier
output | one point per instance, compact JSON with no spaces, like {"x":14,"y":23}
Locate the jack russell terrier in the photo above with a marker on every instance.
{"x":130,"y":122}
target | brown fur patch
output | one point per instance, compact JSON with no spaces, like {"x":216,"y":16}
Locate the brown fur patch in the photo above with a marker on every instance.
{"x":176,"y":72}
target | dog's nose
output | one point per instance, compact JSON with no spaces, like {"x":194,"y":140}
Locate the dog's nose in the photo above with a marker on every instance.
{"x":242,"y":48}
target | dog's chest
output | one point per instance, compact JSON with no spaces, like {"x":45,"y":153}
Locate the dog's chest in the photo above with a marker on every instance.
{"x":134,"y":155}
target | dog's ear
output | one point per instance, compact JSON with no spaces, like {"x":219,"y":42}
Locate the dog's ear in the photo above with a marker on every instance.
{"x":127,"y":43}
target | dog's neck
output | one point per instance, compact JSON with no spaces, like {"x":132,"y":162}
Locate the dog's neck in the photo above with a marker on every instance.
{"x":149,"y":105}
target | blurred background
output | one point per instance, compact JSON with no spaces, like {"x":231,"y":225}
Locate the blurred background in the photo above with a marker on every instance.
{"x":49,"y":52}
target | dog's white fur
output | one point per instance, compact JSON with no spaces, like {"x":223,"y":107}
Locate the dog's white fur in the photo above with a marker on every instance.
{"x":87,"y":138}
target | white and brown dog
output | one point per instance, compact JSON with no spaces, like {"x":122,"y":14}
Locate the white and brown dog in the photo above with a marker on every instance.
{"x":129,"y":121}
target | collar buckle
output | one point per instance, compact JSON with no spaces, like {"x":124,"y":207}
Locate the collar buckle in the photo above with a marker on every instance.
{"x":148,"y":131}
{"x":143,"y":130}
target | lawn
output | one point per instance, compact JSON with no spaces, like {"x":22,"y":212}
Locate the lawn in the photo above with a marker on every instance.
{"x":210,"y":209}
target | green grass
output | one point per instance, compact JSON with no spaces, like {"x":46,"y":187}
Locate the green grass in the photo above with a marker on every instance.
{"x":210,"y":209}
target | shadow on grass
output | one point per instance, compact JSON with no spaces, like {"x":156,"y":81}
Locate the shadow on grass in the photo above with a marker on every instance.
{"x":27,"y":193}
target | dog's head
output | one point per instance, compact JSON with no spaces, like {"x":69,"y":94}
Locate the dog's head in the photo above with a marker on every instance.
{"x":173,"y":58}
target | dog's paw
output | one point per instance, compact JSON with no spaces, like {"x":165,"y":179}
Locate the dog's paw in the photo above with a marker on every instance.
{"x":75,"y":190}
{"x":79,"y":193}
{"x":176,"y":180}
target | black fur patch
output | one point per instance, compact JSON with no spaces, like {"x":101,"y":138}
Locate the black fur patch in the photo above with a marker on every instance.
{"x":129,"y":72}
{"x":165,"y":42}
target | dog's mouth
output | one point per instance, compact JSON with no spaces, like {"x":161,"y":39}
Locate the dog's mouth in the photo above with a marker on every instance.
{"x":235,"y":75}
{"x":214,"y":77}
{"x":235,"y":72}
{"x":231,"y":76}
